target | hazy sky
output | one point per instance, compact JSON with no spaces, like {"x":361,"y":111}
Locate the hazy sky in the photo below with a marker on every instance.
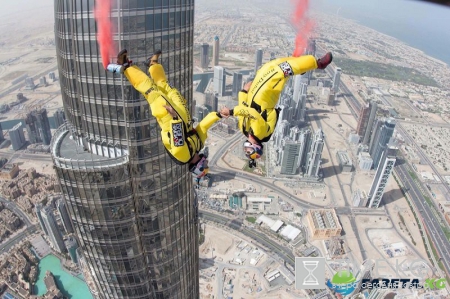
{"x":420,"y":24}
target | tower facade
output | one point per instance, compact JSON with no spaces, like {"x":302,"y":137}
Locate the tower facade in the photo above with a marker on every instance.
{"x":38,"y":210}
{"x":204,"y":56}
{"x":315,"y":154}
{"x":219,"y":80}
{"x":52,"y":229}
{"x":65,"y":218}
{"x":258,"y":59}
{"x":289,"y":160}
{"x":211,"y":101}
{"x":337,"y":79}
{"x":237,"y":84}
{"x":384,"y":170}
{"x":216,"y":49}
{"x":373,"y":107}
{"x":2,"y":138}
{"x":132,"y":208}
{"x":17,"y":137}
{"x":381,"y":136}
{"x":363,"y":120}
{"x":38,"y":126}
{"x":59,"y":117}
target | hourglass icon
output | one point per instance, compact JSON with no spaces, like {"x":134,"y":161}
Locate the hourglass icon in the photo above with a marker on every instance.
{"x":310,"y":279}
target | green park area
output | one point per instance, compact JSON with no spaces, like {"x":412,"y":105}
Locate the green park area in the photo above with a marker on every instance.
{"x":383,"y":71}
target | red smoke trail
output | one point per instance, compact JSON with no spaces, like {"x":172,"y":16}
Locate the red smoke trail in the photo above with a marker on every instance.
{"x":102,"y":12}
{"x":302,"y":24}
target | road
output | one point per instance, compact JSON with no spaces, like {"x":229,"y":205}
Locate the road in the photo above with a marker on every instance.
{"x":6,"y":246}
{"x":435,"y":230}
{"x":16,"y":210}
{"x":422,"y":156}
{"x":236,"y":224}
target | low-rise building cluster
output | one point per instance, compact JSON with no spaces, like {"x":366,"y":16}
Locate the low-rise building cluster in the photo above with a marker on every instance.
{"x":28,"y":188}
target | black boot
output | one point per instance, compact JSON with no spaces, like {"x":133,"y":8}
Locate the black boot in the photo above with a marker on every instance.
{"x":122,"y":59}
{"x":153,"y":59}
{"x":324,"y":61}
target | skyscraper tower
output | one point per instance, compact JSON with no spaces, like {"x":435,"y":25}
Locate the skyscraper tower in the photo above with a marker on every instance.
{"x":311,"y":49}
{"x":204,"y":56}
{"x":382,"y":134}
{"x":315,"y":154}
{"x":305,"y":139}
{"x":52,"y":229}
{"x":17,"y":137}
{"x":211,"y":101}
{"x":237,"y":83}
{"x":216,"y":49}
{"x":2,"y":138}
{"x":59,"y":118}
{"x":38,"y":127}
{"x":290,"y":156}
{"x":219,"y":80}
{"x":38,"y":209}
{"x":384,"y":170}
{"x":258,"y":59}
{"x":132,"y":208}
{"x":337,"y":79}
{"x":65,"y":218}
{"x":363,"y":120}
{"x":373,"y":106}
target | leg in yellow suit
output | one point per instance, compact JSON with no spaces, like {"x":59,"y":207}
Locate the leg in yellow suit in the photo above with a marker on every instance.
{"x":272,"y":76}
{"x":170,"y":109}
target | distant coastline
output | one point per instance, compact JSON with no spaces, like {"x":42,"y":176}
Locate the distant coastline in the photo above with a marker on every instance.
{"x":420,"y":25}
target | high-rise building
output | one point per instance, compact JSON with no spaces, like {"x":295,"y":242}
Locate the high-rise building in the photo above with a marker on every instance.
{"x":359,"y":198}
{"x":38,"y":127}
{"x":337,"y":79}
{"x":363,"y":120}
{"x":381,"y":136}
{"x":211,"y":101}
{"x":38,"y":209}
{"x":384,"y":170}
{"x":305,"y":139}
{"x":219,"y":80}
{"x":373,"y":107}
{"x":2,"y":138}
{"x":311,"y":49}
{"x":53,"y":232}
{"x":17,"y":137}
{"x":258,"y":59}
{"x":315,"y":154}
{"x":59,"y":118}
{"x":72,"y":246}
{"x":29,"y":83}
{"x":290,"y":156}
{"x":237,"y":84}
{"x":65,"y":218}
{"x":204,"y":56}
{"x":132,"y":207}
{"x":216,"y":50}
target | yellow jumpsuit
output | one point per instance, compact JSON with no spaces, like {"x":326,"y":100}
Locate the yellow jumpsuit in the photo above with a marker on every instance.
{"x":256,"y":111}
{"x":180,"y":139}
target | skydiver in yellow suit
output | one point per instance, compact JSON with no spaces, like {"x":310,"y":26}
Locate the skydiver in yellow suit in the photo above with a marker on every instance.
{"x":182,"y":141}
{"x":256,"y":112}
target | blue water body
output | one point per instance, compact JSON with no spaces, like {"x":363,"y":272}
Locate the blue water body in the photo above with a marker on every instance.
{"x":421,"y":25}
{"x":71,"y":286}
